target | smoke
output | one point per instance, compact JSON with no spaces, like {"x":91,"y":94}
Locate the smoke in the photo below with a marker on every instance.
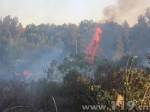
{"x":33,"y":68}
{"x":125,"y":10}
{"x":39,"y":64}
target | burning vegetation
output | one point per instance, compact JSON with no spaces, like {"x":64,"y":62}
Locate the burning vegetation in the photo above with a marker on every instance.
{"x":92,"y":47}
{"x":47,"y":79}
{"x":26,"y":73}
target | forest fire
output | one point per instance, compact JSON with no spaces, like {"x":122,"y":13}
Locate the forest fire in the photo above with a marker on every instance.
{"x":93,"y":45}
{"x":26,"y":73}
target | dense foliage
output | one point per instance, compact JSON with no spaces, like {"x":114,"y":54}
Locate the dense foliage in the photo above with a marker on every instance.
{"x":26,"y":43}
{"x":96,"y":83}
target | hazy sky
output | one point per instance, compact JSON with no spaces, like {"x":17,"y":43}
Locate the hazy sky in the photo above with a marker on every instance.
{"x":54,"y":11}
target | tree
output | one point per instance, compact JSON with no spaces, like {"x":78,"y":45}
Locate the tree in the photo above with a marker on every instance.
{"x":110,"y":31}
{"x":51,"y":69}
{"x":14,"y":27}
{"x":72,"y":36}
{"x":142,"y":21}
{"x":76,"y":61}
{"x":125,"y":35}
{"x":31,"y":28}
{"x":147,"y":14}
{"x":119,"y":48}
{"x":1,"y":24}
{"x":6,"y":26}
{"x":20,"y":29}
{"x":86,"y":31}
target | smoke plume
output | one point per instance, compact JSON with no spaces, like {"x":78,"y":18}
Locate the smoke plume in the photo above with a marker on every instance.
{"x":125,"y":10}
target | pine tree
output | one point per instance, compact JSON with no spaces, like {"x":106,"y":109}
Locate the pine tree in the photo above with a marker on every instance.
{"x":119,"y":48}
{"x":125,"y":35}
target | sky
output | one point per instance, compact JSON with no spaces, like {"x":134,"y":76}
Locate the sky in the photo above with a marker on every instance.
{"x":54,"y":11}
{"x":73,"y":11}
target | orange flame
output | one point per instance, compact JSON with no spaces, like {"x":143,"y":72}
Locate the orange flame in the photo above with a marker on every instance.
{"x":92,"y":47}
{"x":26,"y":73}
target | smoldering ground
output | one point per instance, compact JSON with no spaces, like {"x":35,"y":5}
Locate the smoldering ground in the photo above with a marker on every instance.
{"x":36,"y":66}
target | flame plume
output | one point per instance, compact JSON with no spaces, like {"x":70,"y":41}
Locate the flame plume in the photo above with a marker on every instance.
{"x":93,"y":45}
{"x":26,"y":73}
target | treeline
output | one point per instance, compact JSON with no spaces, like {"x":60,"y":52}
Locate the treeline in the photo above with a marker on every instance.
{"x":23,"y":43}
